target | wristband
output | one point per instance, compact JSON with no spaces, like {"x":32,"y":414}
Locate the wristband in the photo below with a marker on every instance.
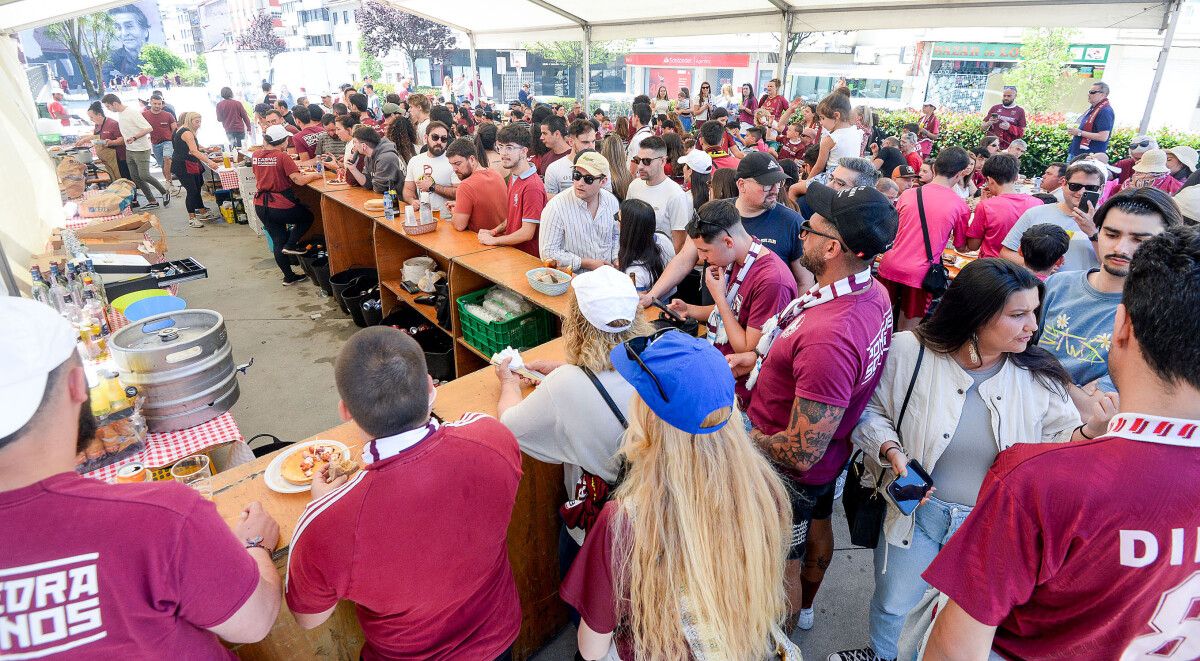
{"x":1083,"y":434}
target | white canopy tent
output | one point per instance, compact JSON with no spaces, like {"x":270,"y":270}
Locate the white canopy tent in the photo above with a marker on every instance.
{"x":491,"y":23}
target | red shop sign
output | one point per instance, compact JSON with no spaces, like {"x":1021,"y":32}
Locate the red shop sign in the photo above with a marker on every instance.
{"x":712,"y":60}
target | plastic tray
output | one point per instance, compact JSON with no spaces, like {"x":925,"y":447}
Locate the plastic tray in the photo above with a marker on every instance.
{"x":524,"y":332}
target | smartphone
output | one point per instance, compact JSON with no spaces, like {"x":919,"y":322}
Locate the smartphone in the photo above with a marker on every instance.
{"x":1089,"y":200}
{"x":906,"y":492}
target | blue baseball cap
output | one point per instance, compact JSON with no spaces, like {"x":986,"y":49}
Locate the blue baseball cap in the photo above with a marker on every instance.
{"x":681,"y":378}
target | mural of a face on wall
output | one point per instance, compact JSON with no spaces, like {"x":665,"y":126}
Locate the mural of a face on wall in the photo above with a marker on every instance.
{"x":133,"y":32}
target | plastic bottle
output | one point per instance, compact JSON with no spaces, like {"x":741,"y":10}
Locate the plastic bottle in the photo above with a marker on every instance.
{"x":388,"y":212}
{"x":426,"y":209}
{"x":74,"y":286}
{"x":93,"y":312}
{"x":95,"y":289}
{"x":57,"y":291}
{"x":39,"y":290}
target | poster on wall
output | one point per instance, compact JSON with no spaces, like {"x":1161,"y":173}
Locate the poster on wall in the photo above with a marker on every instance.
{"x":136,"y":25}
{"x":672,"y":79}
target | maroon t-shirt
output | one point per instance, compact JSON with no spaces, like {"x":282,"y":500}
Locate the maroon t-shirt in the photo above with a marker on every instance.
{"x":589,"y":585}
{"x":1015,"y":116}
{"x":776,"y":105}
{"x":273,"y":169}
{"x":90,"y":570}
{"x":768,"y":287}
{"x":1086,"y":550}
{"x":418,"y":541}
{"x":160,"y":125}
{"x":232,"y":115}
{"x":110,"y":131}
{"x":542,"y":162}
{"x":526,"y":199}
{"x":305,"y":142}
{"x":831,"y":353}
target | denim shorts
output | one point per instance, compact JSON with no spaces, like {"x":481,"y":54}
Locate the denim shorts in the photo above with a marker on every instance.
{"x":163,"y":150}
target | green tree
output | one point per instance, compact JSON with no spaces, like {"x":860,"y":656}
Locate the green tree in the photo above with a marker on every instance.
{"x":1045,"y":54}
{"x":87,"y":38}
{"x":158,"y":61}
{"x":570,"y":53}
{"x":202,"y":65}
{"x":368,"y":65}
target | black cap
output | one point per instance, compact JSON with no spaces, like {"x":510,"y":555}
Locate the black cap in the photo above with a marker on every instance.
{"x":904,"y":172}
{"x":761,"y":167}
{"x":864,"y":218}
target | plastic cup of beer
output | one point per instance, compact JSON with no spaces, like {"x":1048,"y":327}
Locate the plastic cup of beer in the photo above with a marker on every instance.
{"x":191,"y":469}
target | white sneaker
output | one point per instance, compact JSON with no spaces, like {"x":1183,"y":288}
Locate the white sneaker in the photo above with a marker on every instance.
{"x":195,"y":222}
{"x":805,"y":619}
{"x":840,"y":485}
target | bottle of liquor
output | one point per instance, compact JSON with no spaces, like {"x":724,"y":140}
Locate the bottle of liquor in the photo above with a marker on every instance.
{"x":74,"y":286}
{"x":93,"y":312}
{"x":97,"y":290}
{"x":59,"y":296}
{"x":39,"y":290}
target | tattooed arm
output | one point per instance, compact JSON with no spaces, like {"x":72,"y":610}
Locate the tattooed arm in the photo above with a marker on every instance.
{"x":803,"y":443}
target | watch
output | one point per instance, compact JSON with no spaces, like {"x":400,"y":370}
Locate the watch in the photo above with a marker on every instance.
{"x":255,"y":542}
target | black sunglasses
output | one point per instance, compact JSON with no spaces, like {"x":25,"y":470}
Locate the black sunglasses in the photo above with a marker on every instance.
{"x":1076,"y":187}
{"x":645,"y":161}
{"x":1136,"y":145}
{"x":588,"y":179}
{"x":697,"y":225}
{"x":435,"y":137}
{"x":807,"y":228}
{"x":1091,"y":92}
{"x":634,"y":349}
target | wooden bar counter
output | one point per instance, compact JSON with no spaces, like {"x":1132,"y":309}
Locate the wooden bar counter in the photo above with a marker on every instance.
{"x":532,"y":533}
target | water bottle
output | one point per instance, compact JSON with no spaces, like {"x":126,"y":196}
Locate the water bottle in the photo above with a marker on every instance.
{"x":321,"y":168}
{"x":426,"y":209}
{"x":388,"y":212}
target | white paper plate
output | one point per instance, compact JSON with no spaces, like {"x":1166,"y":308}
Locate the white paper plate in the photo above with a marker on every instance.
{"x":273,"y":475}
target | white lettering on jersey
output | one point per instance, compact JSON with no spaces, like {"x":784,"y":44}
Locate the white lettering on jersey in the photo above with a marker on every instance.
{"x":49,"y":607}
{"x":1140,"y":548}
{"x":1176,"y":628}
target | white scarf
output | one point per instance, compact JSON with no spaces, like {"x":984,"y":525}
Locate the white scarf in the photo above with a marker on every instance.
{"x":816,"y":295}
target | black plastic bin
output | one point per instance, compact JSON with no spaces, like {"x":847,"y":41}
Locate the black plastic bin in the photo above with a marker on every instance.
{"x":355,"y":295}
{"x":437,"y":344}
{"x":320,"y":267}
{"x":339,"y":282}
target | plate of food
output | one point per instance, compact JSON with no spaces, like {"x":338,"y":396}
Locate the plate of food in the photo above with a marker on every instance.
{"x":294,"y":470}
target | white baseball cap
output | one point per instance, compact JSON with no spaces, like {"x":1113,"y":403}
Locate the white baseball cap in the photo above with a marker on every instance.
{"x":698,"y":160}
{"x":277,"y":133}
{"x":606,"y":295}
{"x":34,"y":340}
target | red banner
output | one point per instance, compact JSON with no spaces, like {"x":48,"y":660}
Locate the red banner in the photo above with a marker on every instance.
{"x":672,"y":79}
{"x":711,"y":60}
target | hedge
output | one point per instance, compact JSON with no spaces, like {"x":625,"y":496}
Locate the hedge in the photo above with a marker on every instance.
{"x":1048,"y":142}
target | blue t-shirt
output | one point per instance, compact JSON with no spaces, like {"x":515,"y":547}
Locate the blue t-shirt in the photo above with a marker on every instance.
{"x":1077,"y":326}
{"x":779,"y":230}
{"x":1104,"y":122}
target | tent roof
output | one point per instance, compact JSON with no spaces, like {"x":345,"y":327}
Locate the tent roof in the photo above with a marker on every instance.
{"x":500,"y":23}
{"x":545,"y":20}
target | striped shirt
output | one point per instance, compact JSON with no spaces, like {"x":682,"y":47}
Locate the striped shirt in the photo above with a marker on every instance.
{"x":570,"y":234}
{"x":329,"y":144}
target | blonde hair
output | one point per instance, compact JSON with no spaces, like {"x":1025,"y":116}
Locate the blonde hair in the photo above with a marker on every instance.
{"x":588,"y":346}
{"x":727,"y":90}
{"x":614,"y":150}
{"x":185,"y":119}
{"x":701,"y":518}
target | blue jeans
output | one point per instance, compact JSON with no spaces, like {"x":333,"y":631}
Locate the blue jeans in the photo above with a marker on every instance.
{"x":900,"y":589}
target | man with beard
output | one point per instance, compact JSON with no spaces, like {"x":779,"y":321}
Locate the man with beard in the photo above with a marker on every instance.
{"x":117,"y":571}
{"x":482,"y":199}
{"x":526,"y":193}
{"x":431,"y":172}
{"x":778,"y":228}
{"x":672,"y":205}
{"x":1079,"y":306}
{"x":816,"y":366}
{"x":1005,"y":120}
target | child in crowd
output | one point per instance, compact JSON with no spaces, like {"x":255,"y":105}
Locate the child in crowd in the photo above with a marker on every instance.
{"x":842,"y":139}
{"x":1043,"y":247}
{"x":755,"y":140}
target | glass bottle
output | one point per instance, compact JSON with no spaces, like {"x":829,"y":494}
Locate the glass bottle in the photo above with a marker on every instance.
{"x":39,"y":290}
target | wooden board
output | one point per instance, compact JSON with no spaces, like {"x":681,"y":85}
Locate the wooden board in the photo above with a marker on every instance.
{"x":349,"y":233}
{"x":507,"y":266}
{"x":354,"y":197}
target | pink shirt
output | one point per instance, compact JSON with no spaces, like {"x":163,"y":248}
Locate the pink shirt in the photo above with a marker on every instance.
{"x":994,"y":217}
{"x":906,"y":263}
{"x":1071,"y":563}
{"x":418,"y":541}
{"x":832,"y":353}
{"x":132,"y":571}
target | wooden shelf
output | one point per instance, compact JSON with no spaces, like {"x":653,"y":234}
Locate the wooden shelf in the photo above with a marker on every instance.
{"x":427,"y":311}
{"x":472,"y":349}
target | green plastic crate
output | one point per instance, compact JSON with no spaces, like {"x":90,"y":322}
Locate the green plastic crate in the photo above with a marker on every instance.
{"x":523,"y":332}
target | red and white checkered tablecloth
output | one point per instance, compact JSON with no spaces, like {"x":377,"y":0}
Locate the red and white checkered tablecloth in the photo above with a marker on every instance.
{"x":79,"y":222}
{"x":164,"y":449}
{"x":229,"y":178}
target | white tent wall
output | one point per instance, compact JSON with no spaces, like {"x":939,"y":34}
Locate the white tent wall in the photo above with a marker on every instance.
{"x":32,"y":202}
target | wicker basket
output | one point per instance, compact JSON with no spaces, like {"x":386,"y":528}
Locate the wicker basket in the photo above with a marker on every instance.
{"x":556,"y":289}
{"x":425,"y":228}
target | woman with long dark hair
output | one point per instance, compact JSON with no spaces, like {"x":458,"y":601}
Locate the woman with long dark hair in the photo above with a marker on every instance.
{"x":979,"y":383}
{"x":404,"y":136}
{"x":642,"y":252}
{"x":747,"y":107}
{"x":723,"y":185}
{"x":674,"y":151}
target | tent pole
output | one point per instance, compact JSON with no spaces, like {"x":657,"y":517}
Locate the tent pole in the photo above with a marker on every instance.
{"x":785,"y":32}
{"x":473,"y":80}
{"x":1160,"y":68}
{"x":587,"y":69}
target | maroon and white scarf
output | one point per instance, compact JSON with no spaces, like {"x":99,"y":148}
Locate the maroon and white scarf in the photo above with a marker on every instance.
{"x":816,"y":295}
{"x":716,"y":327}
{"x":1090,"y":122}
{"x":1155,"y":429}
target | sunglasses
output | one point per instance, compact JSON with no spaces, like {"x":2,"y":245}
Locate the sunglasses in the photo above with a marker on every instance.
{"x":588,"y":179}
{"x":1076,"y":187}
{"x":634,"y":349}
{"x":1139,"y":145}
{"x":697,"y":225}
{"x":436,"y":137}
{"x":807,"y":228}
{"x":1091,"y":92}
{"x":645,"y":161}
